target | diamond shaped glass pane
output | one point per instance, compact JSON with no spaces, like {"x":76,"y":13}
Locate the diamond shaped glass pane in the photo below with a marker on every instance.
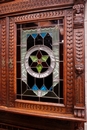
{"x":39,"y":68}
{"x":44,"y":58}
{"x":34,"y":58}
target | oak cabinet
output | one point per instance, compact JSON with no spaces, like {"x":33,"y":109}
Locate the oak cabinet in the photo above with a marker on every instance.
{"x":42,"y":64}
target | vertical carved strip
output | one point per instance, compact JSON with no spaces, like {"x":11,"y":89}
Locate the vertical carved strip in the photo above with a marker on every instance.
{"x":0,"y":64}
{"x":78,"y":13}
{"x":3,"y":62}
{"x":69,"y":62}
{"x":10,"y":62}
{"x":79,"y":65}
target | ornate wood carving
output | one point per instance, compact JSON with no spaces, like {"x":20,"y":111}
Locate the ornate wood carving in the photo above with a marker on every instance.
{"x":69,"y":66}
{"x":79,"y":71}
{"x":78,"y":15}
{"x":79,"y":57}
{"x":79,"y":112}
{"x":36,"y":16}
{"x":39,"y":107}
{"x":10,"y":64}
{"x":3,"y":62}
{"x":18,"y":6}
{"x":79,"y":63}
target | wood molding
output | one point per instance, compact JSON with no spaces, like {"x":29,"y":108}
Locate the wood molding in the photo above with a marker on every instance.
{"x":19,"y":6}
{"x":3,"y":62}
{"x":69,"y":63}
{"x":3,"y":1}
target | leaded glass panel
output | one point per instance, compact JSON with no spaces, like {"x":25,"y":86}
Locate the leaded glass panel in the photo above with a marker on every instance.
{"x":40,"y":61}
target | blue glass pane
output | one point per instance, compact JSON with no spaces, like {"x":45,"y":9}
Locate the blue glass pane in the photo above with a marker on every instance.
{"x":51,"y":88}
{"x":35,"y":87}
{"x":43,"y":34}
{"x":43,"y":88}
{"x":34,"y":35}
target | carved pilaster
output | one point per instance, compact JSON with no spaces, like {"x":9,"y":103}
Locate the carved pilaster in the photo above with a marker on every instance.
{"x":78,"y":24}
{"x":10,"y":63}
{"x":69,"y":76}
{"x":3,"y":58}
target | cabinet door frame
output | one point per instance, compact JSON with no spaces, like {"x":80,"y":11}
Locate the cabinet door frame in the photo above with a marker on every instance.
{"x":68,"y":62}
{"x":73,"y":63}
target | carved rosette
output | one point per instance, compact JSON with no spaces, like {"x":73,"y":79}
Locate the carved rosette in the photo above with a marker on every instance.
{"x":69,"y":46}
{"x":3,"y":63}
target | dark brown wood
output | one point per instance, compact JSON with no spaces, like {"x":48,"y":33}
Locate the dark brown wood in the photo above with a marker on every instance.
{"x":79,"y":110}
{"x":34,"y":115}
{"x":2,"y":1}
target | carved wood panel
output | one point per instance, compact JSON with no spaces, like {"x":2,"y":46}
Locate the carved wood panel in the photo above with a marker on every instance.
{"x":78,"y":12}
{"x":11,"y":62}
{"x":18,"y":6}
{"x":3,"y":63}
{"x":79,"y":58}
{"x":79,"y":71}
{"x":69,"y":63}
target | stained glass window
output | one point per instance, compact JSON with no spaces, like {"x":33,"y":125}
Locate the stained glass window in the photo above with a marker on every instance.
{"x":40,"y":61}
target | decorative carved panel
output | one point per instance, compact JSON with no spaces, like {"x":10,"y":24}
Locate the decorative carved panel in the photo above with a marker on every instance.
{"x":69,"y":63}
{"x":3,"y":63}
{"x":18,"y":6}
{"x":79,"y":64}
{"x":79,"y":70}
{"x":78,"y":15}
{"x":11,"y":62}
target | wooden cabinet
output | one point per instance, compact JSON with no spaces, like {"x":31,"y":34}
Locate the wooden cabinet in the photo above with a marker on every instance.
{"x":42,"y":65}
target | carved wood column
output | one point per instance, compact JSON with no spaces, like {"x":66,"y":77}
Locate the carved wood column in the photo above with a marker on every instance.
{"x":78,"y":24}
